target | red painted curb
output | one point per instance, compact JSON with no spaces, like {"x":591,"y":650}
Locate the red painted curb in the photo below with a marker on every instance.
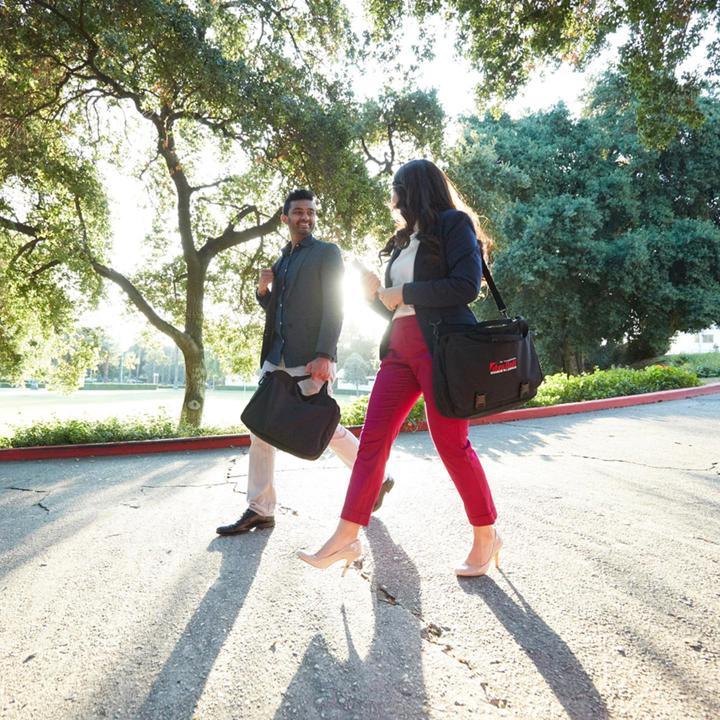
{"x":142,"y":447}
{"x":132,"y":447}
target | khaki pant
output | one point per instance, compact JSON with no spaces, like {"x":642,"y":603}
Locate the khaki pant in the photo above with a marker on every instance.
{"x":261,"y":487}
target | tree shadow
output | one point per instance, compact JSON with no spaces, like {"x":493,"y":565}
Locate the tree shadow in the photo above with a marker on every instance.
{"x":552,"y":657}
{"x":389,"y":682}
{"x":494,"y":441}
{"x":180,"y":684}
{"x":53,"y":507}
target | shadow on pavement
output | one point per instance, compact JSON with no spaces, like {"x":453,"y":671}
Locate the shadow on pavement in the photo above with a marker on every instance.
{"x":73,"y":493}
{"x":389,"y":682}
{"x":493,"y":441}
{"x":180,"y":684}
{"x":552,"y":657}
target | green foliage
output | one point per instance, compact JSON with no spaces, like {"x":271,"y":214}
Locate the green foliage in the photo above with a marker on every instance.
{"x":555,"y":389}
{"x":600,"y":242}
{"x":257,"y":92}
{"x":119,"y":386}
{"x":354,"y":413}
{"x":236,"y":345}
{"x":79,"y":432}
{"x":508,"y":40}
{"x":704,"y":365}
{"x":560,"y":388}
{"x":355,"y":370}
{"x":616,"y":382}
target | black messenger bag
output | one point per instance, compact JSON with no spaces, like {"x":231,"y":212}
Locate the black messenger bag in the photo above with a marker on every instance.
{"x":282,"y":416}
{"x":485,"y":368}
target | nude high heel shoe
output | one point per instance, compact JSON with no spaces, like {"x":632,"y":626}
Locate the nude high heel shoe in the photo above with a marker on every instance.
{"x":349,"y":554}
{"x":467,"y":570}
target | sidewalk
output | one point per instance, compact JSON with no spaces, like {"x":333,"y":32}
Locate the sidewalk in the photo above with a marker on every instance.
{"x":118,"y":601}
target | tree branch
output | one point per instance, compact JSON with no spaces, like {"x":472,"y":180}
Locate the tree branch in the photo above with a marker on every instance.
{"x":120,"y":91}
{"x":181,"y":339}
{"x":18,"y":227}
{"x":43,"y":268}
{"x":231,"y":237}
{"x":166,"y":147}
{"x":195,"y":188}
{"x":147,"y":165}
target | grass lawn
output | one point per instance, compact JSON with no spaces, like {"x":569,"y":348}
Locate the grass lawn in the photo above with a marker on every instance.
{"x":19,"y":407}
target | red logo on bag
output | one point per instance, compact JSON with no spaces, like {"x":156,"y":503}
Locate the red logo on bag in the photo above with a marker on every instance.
{"x":501,"y":366}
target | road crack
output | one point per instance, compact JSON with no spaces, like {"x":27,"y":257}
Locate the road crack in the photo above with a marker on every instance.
{"x":629,"y":462}
{"x":207,"y":485}
{"x":430,"y":633}
{"x":45,"y":494}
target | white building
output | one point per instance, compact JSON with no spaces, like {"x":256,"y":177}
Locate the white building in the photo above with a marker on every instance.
{"x":700,"y":342}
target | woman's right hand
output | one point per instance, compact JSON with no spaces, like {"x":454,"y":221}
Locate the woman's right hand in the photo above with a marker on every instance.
{"x":370,"y":284}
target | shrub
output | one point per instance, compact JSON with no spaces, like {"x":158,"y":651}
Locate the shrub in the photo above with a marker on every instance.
{"x":354,"y":413}
{"x":119,"y":386}
{"x":79,"y":432}
{"x":556,"y":389}
{"x":611,"y":383}
{"x":704,"y":365}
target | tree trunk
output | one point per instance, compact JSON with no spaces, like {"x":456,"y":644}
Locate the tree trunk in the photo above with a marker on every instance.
{"x":194,"y":400}
{"x":569,"y":360}
{"x":194,"y":351}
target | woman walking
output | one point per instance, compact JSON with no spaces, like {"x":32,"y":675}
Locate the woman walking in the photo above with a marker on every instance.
{"x":434,"y":271}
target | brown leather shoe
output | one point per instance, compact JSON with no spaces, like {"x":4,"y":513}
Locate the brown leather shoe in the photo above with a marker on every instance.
{"x":385,"y":488}
{"x":247,"y":522}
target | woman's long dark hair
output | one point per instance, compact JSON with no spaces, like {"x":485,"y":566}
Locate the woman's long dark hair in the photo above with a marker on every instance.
{"x":423,"y":192}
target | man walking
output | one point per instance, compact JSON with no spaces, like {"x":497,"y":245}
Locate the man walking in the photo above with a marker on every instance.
{"x":302,"y":298}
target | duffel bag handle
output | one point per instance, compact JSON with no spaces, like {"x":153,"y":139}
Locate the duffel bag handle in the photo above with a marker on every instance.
{"x":297,"y":379}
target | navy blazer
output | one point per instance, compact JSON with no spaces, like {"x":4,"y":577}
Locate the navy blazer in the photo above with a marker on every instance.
{"x":445,"y":282}
{"x":313,"y":311}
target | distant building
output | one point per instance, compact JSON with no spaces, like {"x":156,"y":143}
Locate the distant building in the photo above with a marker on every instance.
{"x":700,"y":342}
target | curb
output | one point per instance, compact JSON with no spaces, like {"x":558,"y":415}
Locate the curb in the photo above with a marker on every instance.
{"x":214,"y":442}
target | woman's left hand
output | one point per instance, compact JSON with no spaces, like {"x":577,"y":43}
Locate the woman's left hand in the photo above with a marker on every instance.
{"x":391,"y":297}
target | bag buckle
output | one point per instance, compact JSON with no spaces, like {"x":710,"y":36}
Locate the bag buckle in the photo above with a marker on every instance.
{"x":479,"y":401}
{"x":524,"y":390}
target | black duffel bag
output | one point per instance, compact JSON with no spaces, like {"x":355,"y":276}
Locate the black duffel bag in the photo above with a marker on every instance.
{"x":282,"y":416}
{"x":484,"y":368}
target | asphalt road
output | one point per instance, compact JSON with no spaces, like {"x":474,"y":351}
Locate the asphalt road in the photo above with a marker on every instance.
{"x":117,"y":600}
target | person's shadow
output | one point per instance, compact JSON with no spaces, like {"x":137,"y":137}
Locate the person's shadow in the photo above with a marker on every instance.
{"x":389,"y":682}
{"x":180,"y":684}
{"x":552,"y":657}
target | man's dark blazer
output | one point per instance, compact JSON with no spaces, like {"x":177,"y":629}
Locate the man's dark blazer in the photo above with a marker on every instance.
{"x":444,"y":282}
{"x":313,"y":308}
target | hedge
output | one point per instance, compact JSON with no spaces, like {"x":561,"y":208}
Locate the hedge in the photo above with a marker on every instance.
{"x":704,"y":365}
{"x":556,"y":389}
{"x":79,"y":432}
{"x":119,"y":386}
{"x":560,"y":388}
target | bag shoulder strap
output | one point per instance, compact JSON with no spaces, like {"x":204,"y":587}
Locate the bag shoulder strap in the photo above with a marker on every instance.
{"x":501,"y":306}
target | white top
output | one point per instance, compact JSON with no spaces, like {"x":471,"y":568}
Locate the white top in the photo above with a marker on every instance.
{"x":403,"y":271}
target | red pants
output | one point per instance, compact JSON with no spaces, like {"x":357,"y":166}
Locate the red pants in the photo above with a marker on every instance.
{"x":405,"y":372}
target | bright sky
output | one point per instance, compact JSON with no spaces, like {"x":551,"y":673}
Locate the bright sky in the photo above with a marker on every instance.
{"x":131,"y":214}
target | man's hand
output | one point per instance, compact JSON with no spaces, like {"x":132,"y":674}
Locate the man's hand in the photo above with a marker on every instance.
{"x":321,"y":369}
{"x":266,"y":278}
{"x":391,"y":297}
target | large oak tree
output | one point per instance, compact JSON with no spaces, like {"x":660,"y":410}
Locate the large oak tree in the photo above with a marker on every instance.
{"x":230,"y":103}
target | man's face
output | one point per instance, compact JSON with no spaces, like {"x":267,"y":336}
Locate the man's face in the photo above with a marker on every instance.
{"x":300,"y":218}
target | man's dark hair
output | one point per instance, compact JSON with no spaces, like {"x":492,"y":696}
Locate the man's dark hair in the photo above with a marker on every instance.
{"x":300,"y":194}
